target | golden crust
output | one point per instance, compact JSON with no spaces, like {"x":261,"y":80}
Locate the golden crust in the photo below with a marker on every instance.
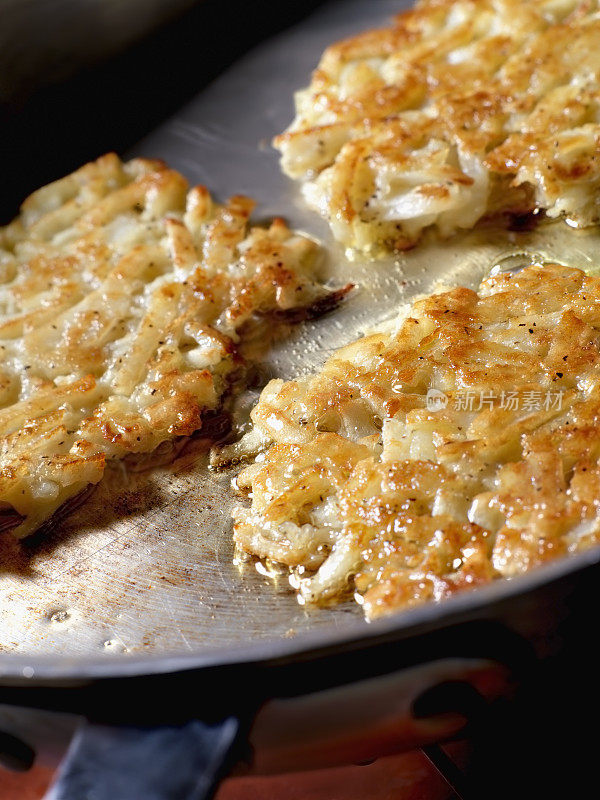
{"x":123,"y":295}
{"x":460,"y":448}
{"x":459,"y":109}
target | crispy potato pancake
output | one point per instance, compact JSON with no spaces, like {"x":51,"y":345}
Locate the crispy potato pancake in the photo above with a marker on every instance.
{"x":124,"y":296}
{"x":460,"y":447}
{"x":459,"y":109}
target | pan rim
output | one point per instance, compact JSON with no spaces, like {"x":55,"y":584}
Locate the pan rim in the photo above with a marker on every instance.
{"x":19,"y":670}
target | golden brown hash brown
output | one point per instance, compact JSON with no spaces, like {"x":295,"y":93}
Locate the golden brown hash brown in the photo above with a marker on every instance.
{"x":123,"y":297}
{"x":459,"y":109}
{"x":362,"y":483}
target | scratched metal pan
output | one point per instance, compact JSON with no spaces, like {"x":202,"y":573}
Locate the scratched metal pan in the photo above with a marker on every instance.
{"x":143,"y":570}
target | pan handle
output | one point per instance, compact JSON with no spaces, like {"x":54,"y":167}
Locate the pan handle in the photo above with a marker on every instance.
{"x":163,"y":763}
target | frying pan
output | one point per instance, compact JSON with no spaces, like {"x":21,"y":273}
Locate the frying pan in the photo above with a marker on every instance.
{"x":132,"y":613}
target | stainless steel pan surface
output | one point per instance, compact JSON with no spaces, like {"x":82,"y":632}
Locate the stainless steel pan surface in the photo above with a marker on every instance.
{"x":144,"y":568}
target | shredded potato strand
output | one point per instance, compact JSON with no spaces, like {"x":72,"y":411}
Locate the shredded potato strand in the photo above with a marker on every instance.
{"x":459,"y":109}
{"x":459,"y":448}
{"x":123,"y":297}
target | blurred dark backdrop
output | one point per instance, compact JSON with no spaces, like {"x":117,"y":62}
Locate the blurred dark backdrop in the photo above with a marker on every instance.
{"x":81,"y":77}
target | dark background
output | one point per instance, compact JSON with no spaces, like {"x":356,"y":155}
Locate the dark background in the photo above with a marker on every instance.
{"x":81,"y":77}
